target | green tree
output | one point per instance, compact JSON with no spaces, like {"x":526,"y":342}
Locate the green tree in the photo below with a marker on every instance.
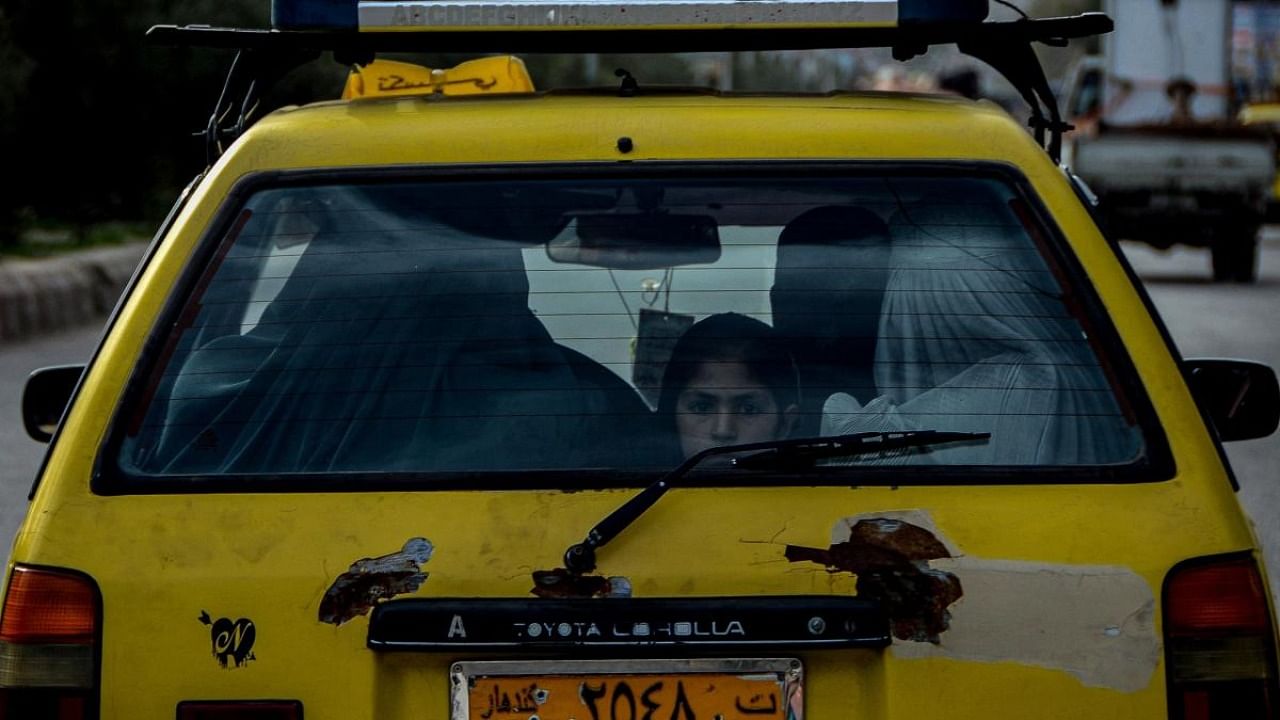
{"x":97,"y":124}
{"x":15,"y":70}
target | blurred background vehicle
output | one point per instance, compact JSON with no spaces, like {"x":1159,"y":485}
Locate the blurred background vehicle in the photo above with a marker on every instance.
{"x":1157,"y":138}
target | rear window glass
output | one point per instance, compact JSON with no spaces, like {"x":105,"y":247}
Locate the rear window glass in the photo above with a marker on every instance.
{"x":445,"y":327}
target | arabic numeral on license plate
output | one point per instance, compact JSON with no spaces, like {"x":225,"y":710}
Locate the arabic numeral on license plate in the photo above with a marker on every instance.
{"x":622,"y":704}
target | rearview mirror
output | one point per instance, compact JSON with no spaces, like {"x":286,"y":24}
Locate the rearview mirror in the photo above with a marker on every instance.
{"x":637,"y":241}
{"x":1241,"y":397}
{"x":45,"y":399}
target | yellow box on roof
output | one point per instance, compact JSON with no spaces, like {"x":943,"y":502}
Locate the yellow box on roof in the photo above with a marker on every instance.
{"x":484,"y":76}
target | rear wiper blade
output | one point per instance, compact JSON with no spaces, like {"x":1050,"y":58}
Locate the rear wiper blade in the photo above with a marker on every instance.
{"x":580,"y":558}
{"x":806,"y":454}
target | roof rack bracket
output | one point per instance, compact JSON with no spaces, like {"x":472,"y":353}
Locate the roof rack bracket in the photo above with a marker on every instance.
{"x":1016,"y":59}
{"x":252,"y":72}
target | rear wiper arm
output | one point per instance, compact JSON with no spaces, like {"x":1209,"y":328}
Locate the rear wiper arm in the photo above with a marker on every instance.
{"x":580,"y":558}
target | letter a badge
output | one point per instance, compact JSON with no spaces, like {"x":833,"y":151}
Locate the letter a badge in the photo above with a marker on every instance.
{"x":455,"y":627}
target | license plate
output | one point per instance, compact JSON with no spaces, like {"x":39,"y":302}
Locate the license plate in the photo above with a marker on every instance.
{"x":719,"y":689}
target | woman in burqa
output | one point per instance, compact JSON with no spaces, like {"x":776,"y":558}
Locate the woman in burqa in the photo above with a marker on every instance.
{"x":398,"y":343}
{"x":975,"y":336}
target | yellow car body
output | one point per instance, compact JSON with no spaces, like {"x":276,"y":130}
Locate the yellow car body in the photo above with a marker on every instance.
{"x":1044,"y":563}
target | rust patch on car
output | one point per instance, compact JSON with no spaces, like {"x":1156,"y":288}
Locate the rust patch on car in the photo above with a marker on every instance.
{"x":891,"y":561}
{"x":561,"y":583}
{"x":371,"y":580}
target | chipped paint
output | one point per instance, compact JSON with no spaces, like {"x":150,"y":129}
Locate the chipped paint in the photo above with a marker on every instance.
{"x":562,"y":583}
{"x":890,"y":558}
{"x":371,"y":580}
{"x":1094,"y":622}
{"x":843,"y":528}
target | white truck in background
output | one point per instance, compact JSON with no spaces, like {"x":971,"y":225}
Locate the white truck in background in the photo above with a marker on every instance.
{"x":1156,"y":139}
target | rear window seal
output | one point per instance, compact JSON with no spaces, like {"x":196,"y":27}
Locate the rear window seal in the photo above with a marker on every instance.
{"x":1141,"y":288}
{"x":109,"y":478}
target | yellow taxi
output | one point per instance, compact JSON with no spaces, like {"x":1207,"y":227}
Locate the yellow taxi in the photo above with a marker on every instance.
{"x":440,"y":402}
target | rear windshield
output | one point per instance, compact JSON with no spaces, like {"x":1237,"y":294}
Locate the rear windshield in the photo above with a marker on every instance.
{"x":440,"y":327}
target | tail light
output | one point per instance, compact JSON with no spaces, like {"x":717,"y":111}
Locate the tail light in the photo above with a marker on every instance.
{"x":1220,"y":647}
{"x":48,"y":646}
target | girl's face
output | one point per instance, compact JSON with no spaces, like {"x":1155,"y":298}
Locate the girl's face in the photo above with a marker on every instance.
{"x":724,"y":404}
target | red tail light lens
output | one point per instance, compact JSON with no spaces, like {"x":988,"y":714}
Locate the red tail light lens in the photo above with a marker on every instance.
{"x":1225,"y":597}
{"x":46,"y":606}
{"x":1219,"y":641}
{"x":48,"y":657}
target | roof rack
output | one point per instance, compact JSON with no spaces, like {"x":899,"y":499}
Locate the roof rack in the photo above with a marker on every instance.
{"x":265,"y":55}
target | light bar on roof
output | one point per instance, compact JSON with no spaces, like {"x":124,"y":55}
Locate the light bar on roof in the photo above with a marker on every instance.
{"x":631,"y":14}
{"x":467,"y":15}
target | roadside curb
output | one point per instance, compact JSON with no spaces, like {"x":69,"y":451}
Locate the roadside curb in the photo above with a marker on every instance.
{"x":49,"y":294}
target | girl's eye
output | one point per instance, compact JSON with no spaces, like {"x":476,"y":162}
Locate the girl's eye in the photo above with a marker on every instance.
{"x":699,"y":407}
{"x":748,"y":407}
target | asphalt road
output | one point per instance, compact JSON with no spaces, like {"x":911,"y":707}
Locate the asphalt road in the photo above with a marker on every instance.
{"x":1206,"y":320}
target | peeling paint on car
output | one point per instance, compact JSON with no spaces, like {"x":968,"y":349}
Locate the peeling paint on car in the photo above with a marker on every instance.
{"x":890,"y":559}
{"x":841,"y":531}
{"x":561,"y":583}
{"x":371,"y":580}
{"x":1094,"y":622}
